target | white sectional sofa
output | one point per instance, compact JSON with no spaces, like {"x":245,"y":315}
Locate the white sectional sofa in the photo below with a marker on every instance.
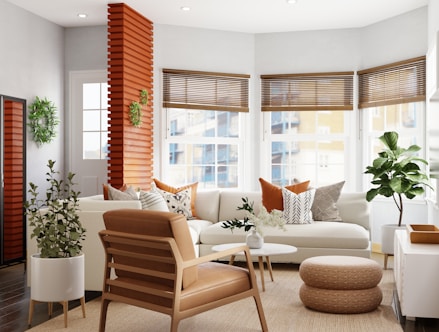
{"x":349,"y":237}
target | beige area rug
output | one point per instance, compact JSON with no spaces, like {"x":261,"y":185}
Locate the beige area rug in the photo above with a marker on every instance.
{"x":283,"y":310}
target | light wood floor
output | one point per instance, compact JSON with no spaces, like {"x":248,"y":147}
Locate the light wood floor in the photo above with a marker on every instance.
{"x":14,"y":302}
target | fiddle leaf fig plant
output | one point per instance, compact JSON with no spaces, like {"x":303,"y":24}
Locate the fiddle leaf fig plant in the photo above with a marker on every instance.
{"x":396,"y":172}
{"x":55,"y":221}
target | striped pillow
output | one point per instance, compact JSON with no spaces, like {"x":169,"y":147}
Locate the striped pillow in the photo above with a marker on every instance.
{"x":153,"y":201}
{"x":297,"y":207}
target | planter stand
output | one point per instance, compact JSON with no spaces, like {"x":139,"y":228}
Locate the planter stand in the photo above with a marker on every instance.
{"x":387,"y":240}
{"x":56,"y":280}
{"x":65,"y":305}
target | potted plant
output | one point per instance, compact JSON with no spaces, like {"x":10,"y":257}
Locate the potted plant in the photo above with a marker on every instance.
{"x":396,"y":173}
{"x":57,"y":271}
{"x":254,"y":223}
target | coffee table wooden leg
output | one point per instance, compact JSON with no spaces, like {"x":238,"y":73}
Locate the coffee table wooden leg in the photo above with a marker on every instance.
{"x":261,"y":268}
{"x":232,"y":259}
{"x":267,"y":258}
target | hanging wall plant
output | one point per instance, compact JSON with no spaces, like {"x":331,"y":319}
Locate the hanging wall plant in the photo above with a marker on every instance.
{"x":136,"y":108}
{"x":42,"y":120}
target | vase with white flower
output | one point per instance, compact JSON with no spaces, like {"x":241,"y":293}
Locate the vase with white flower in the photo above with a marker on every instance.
{"x":254,"y":223}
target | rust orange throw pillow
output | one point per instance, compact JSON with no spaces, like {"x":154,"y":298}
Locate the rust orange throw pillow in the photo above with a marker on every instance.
{"x":272,"y":194}
{"x":174,"y":190}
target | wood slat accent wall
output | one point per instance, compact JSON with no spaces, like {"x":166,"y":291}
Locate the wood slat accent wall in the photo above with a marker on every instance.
{"x":130,"y":69}
{"x":13,"y":171}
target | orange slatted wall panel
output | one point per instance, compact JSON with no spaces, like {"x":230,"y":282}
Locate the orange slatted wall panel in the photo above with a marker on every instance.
{"x":130,"y":68}
{"x":13,"y":181}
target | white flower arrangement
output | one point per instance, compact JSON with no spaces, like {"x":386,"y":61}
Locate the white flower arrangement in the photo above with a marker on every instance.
{"x":264,"y":218}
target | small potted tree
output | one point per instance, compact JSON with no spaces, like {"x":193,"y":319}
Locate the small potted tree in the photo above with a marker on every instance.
{"x":396,"y":173}
{"x":57,"y":271}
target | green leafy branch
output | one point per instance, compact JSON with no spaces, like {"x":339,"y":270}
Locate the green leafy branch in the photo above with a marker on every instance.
{"x":136,"y":108}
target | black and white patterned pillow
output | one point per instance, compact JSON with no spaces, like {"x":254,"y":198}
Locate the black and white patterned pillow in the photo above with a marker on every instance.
{"x":179,"y":202}
{"x":297,"y":207}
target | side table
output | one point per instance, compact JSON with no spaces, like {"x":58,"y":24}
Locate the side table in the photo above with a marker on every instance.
{"x":416,"y":269}
{"x":267,"y":250}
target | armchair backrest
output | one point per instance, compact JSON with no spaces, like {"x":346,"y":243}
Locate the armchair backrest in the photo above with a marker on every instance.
{"x":156,"y":223}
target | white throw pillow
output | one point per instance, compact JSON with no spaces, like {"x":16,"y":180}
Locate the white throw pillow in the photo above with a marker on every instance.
{"x":153,"y":201}
{"x":119,"y":195}
{"x":324,"y":207}
{"x":297,"y":207}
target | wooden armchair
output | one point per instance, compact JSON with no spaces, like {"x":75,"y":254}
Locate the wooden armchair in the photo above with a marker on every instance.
{"x":151,"y":263}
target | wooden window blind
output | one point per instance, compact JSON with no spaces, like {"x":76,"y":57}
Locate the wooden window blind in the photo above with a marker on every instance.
{"x":307,"y":92}
{"x":396,"y":83}
{"x":205,"y":90}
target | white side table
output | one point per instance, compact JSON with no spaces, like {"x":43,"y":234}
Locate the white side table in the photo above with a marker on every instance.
{"x":267,"y":250}
{"x":416,"y":268}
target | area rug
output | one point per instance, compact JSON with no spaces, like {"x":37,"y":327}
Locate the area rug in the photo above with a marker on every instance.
{"x":283,"y":310}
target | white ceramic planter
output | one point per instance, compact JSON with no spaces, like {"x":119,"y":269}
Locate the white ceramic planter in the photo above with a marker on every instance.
{"x":57,"y":279}
{"x":254,"y":240}
{"x":387,"y":237}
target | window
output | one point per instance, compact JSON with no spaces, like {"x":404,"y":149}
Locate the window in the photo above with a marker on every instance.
{"x":306,"y":126}
{"x":392,"y":98}
{"x":308,"y":145}
{"x":204,"y":114}
{"x":95,"y":120}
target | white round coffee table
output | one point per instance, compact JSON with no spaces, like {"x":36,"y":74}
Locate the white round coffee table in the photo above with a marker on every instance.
{"x":267,"y":250}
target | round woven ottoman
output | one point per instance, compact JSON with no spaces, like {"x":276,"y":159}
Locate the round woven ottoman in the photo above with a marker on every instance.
{"x":340,"y":284}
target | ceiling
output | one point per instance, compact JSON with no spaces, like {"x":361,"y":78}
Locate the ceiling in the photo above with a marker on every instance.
{"x":249,"y":16}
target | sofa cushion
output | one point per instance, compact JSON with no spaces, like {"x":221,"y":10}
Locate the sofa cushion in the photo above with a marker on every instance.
{"x":324,"y":207}
{"x":272,"y":195}
{"x":297,"y":207}
{"x":319,"y":234}
{"x":207,"y":204}
{"x":193,"y":187}
{"x":231,"y":199}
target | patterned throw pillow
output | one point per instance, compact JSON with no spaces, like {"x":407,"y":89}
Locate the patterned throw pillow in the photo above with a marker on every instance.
{"x":179,"y":202}
{"x":193,"y":187}
{"x":153,"y":201}
{"x":324,"y":207}
{"x":118,"y":195}
{"x":297,"y":207}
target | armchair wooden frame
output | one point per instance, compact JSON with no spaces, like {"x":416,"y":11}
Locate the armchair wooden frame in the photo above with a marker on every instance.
{"x":120,"y":246}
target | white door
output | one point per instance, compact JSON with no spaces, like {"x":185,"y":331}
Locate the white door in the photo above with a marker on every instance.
{"x":88,"y":130}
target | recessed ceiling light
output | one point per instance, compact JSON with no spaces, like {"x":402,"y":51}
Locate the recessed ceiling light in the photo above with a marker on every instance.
{"x":81,"y":15}
{"x":291,"y":2}
{"x":185,"y":8}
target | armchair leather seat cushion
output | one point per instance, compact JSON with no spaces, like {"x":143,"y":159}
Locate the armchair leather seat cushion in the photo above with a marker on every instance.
{"x":215,"y":281}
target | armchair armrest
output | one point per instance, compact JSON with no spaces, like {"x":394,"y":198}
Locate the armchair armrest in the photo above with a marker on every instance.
{"x":217,"y":255}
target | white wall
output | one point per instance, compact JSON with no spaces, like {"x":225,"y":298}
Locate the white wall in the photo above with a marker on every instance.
{"x":31,"y":64}
{"x":178,"y":47}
